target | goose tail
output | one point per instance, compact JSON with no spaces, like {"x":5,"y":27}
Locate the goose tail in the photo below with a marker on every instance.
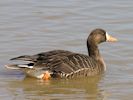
{"x":18,"y":66}
{"x":24,"y":58}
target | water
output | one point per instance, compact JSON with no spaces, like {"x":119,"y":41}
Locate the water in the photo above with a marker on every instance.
{"x":33,"y":26}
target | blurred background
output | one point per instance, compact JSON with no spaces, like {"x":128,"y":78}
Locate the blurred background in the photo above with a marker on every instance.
{"x":34,"y":26}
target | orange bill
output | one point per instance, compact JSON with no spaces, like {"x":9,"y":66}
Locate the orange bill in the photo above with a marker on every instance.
{"x":109,"y":38}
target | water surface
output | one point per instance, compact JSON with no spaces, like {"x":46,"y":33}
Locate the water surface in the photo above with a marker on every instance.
{"x":33,"y":26}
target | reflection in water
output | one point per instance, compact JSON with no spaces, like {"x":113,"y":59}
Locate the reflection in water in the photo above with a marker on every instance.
{"x":32,"y":26}
{"x":81,"y":88}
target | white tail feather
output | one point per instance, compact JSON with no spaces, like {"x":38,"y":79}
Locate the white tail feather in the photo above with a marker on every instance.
{"x":25,"y":66}
{"x":15,"y":66}
{"x":11,"y":67}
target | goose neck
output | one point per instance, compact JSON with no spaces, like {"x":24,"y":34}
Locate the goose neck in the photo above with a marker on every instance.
{"x":93,"y":50}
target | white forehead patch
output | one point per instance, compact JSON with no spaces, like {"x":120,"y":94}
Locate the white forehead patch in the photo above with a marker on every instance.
{"x":107,"y":36}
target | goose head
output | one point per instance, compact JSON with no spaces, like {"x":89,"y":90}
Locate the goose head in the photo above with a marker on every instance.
{"x":98,"y":36}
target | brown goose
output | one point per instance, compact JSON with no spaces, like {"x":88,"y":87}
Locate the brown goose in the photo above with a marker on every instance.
{"x":66,"y":64}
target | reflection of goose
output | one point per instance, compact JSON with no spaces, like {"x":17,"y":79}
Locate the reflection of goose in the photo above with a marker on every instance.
{"x":87,"y":87}
{"x":66,"y":64}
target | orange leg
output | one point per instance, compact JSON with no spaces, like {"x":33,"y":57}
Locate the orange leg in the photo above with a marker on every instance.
{"x":46,"y":76}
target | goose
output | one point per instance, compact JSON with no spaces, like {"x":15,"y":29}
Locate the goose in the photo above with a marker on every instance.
{"x":66,"y":64}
